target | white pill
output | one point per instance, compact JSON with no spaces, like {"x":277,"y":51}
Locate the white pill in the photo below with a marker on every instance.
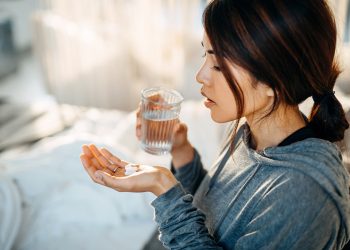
{"x":129,"y":173}
{"x":133,"y":168}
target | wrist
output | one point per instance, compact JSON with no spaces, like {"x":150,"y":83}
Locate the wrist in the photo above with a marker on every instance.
{"x":182,"y":155}
{"x":166,"y":180}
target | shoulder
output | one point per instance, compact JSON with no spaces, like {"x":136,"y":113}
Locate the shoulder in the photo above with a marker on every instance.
{"x":314,"y":161}
{"x":311,"y":149}
{"x":286,"y":194}
{"x":292,"y":211}
{"x":287,"y":183}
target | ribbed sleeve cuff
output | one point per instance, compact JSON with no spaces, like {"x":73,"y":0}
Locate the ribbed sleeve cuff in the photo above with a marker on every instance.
{"x":165,"y":204}
{"x":174,"y":193}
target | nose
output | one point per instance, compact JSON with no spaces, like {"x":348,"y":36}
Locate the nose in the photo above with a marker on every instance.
{"x":201,"y":76}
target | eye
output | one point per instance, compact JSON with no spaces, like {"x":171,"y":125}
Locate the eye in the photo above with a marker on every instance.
{"x":216,"y":68}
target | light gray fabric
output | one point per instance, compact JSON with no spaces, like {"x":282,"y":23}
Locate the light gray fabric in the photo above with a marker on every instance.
{"x":10,"y":212}
{"x":291,"y":197}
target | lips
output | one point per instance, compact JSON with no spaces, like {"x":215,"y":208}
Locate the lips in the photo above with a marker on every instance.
{"x":208,"y":102}
{"x":208,"y":99}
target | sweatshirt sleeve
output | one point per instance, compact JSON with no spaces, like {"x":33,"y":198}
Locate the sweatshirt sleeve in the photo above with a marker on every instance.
{"x":181,"y":225}
{"x":191,"y":174}
{"x":293,"y":213}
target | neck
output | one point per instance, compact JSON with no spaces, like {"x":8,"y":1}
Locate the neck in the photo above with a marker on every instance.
{"x":272,"y":130}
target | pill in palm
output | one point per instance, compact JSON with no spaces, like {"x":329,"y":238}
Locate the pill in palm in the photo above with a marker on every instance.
{"x":131,"y":169}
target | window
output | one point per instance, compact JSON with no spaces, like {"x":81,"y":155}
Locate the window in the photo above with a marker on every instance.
{"x":347,"y":25}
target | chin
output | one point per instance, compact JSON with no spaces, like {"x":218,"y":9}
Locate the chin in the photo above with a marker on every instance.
{"x":219,"y":118}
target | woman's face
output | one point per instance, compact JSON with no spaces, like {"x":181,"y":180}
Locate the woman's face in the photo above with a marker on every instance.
{"x":220,"y":99}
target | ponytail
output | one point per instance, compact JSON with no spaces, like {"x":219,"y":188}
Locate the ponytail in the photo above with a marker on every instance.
{"x":327,"y":117}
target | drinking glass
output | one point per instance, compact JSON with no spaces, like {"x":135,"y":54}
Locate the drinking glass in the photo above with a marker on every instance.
{"x":160,"y":109}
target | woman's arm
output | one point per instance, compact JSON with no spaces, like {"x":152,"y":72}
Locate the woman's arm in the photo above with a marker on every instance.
{"x":181,"y":224}
{"x":186,"y":164}
{"x":191,"y":173}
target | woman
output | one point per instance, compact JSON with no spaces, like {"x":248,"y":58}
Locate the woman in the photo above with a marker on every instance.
{"x":280,"y":182}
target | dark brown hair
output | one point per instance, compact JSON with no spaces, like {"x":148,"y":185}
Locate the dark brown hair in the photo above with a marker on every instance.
{"x":288,"y":45}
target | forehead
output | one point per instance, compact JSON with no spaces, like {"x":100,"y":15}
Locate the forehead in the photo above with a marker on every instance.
{"x":205,"y":41}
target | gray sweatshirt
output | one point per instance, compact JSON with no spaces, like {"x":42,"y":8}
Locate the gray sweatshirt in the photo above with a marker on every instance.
{"x":290,"y":197}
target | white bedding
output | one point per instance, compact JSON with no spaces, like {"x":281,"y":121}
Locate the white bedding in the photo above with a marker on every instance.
{"x":61,"y":208}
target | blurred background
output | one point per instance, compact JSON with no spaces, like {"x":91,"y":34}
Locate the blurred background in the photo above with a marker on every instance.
{"x":102,"y":53}
{"x":71,"y":73}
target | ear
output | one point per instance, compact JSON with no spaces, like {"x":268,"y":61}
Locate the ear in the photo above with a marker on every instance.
{"x":269,"y":92}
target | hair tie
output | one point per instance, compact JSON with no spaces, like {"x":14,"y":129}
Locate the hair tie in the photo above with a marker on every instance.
{"x":319,"y":98}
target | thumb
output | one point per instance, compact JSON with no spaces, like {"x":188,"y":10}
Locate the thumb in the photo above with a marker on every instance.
{"x":104,"y":178}
{"x":120,"y":184}
{"x":181,"y":128}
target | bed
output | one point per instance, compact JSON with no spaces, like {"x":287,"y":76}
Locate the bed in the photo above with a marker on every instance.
{"x":49,"y":202}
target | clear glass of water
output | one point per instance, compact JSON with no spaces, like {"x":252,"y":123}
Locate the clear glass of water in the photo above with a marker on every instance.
{"x":160,"y":109}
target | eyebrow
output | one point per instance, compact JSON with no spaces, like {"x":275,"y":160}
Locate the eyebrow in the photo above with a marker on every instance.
{"x":209,"y":51}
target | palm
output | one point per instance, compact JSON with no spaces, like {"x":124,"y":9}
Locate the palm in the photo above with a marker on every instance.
{"x":108,"y":170}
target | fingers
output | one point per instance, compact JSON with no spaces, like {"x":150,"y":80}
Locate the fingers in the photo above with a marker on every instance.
{"x":180,"y":135}
{"x":97,"y":154}
{"x":104,"y":160}
{"x":98,"y":166}
{"x":92,"y":160}
{"x":90,"y":168}
{"x":115,"y":160}
{"x":87,"y":151}
{"x":155,"y":98}
{"x":107,"y":159}
{"x":119,"y":172}
{"x":180,"y":128}
{"x":154,"y":104}
{"x":184,"y":127}
{"x":95,"y":160}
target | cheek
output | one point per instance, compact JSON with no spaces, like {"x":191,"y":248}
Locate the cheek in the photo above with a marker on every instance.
{"x":226,"y":109}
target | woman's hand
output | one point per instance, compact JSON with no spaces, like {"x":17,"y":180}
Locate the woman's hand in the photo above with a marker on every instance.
{"x":106,"y":169}
{"x":182,"y":151}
